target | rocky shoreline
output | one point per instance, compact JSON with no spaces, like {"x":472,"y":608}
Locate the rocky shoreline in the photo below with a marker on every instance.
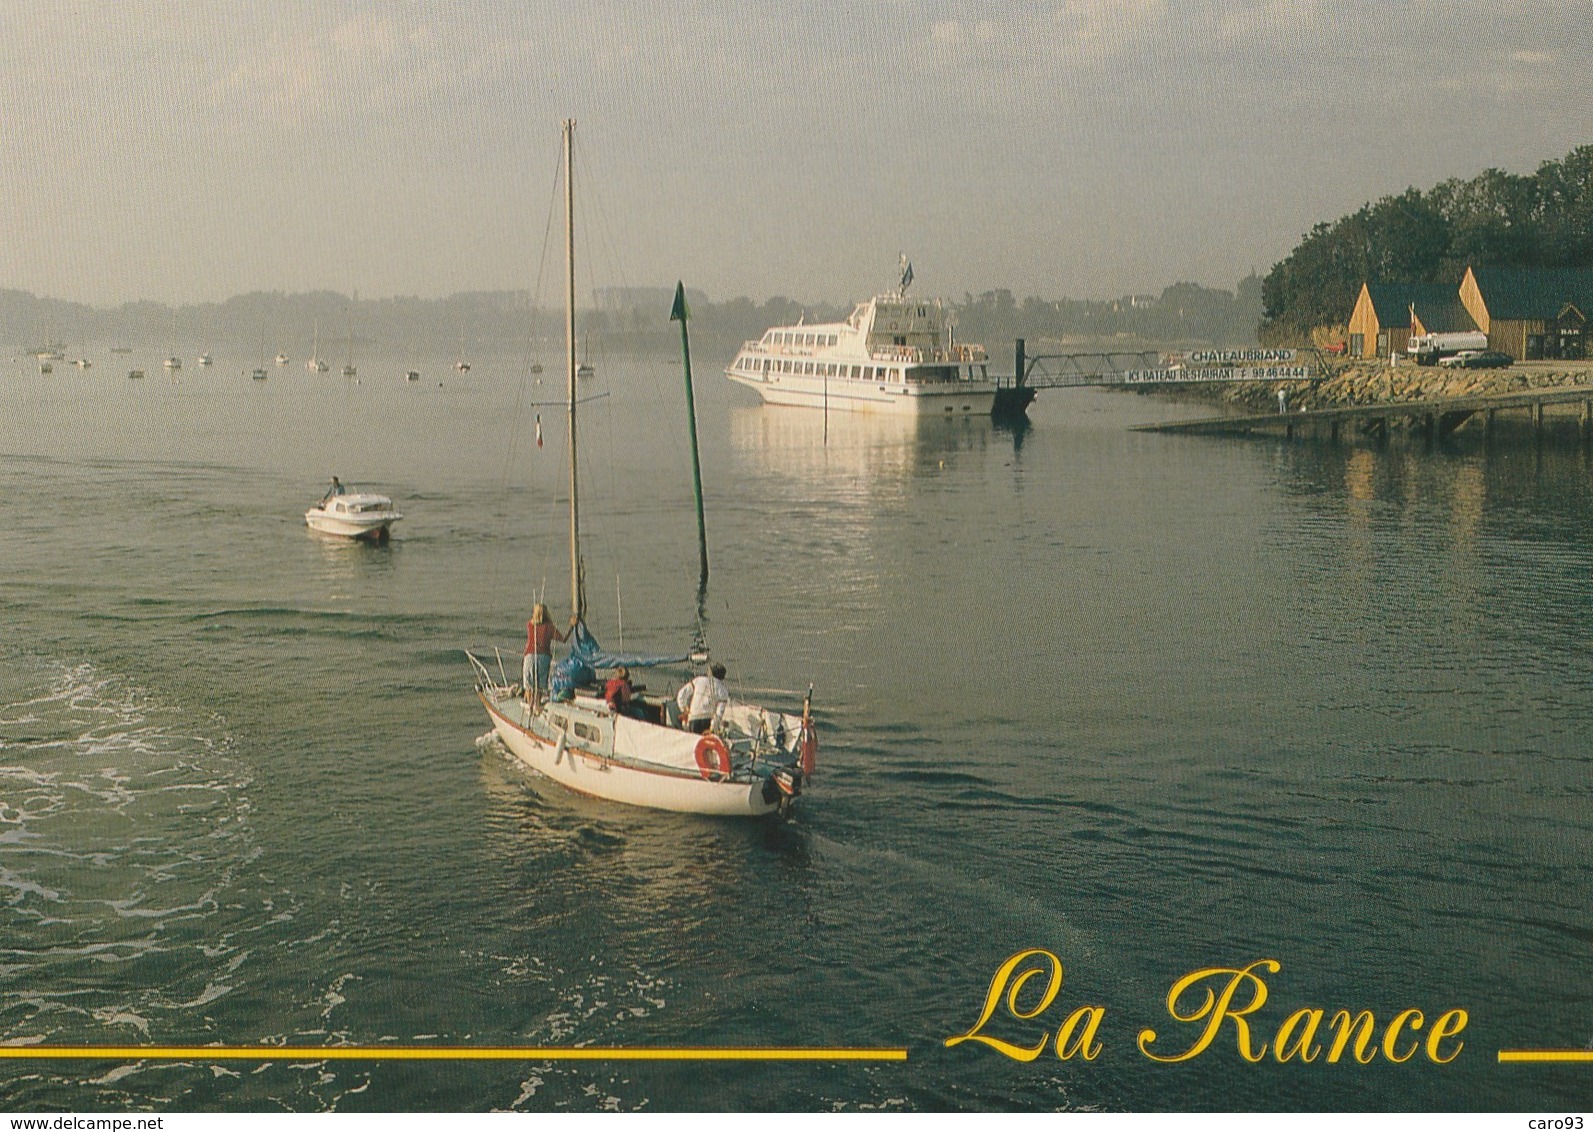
{"x":1376,"y":383}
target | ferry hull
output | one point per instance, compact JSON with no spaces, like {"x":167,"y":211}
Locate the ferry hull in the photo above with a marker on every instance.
{"x":598,"y":777}
{"x":968,"y":399}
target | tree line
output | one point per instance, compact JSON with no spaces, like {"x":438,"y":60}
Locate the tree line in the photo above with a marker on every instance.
{"x":265,"y":322}
{"x":1495,"y":219}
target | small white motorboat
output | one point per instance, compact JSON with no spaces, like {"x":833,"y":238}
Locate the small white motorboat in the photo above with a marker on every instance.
{"x":358,"y":515}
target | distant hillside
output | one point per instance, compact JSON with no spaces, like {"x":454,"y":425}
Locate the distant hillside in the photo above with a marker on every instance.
{"x":1496,"y":219}
{"x":636,"y":319}
{"x":1183,"y":314}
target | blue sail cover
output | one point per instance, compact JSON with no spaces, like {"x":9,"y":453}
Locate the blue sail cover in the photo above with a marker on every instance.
{"x":586,"y":656}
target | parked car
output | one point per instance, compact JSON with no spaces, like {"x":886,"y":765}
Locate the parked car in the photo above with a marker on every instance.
{"x":1477,"y":359}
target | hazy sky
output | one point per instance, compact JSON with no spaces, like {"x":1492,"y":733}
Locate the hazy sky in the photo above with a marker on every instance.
{"x":185,"y":151}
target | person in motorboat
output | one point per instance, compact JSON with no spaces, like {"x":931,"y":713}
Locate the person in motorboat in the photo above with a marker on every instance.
{"x":620,"y":694}
{"x":336,"y":489}
{"x":702,"y":699}
{"x":539,"y":637}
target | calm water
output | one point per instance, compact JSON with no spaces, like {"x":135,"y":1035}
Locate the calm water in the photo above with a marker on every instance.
{"x":1154,"y":704}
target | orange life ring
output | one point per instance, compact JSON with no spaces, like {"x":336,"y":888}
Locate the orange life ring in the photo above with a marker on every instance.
{"x":713,"y":758}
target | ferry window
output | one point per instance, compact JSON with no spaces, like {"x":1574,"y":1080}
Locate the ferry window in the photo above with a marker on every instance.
{"x":832,"y":340}
{"x":857,"y":371}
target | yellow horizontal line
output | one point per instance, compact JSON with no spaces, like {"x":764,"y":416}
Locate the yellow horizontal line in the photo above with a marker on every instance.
{"x":1545,"y":1055}
{"x":446,"y":1053}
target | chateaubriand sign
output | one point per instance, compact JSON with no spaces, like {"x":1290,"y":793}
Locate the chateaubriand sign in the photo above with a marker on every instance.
{"x":1225,"y":365}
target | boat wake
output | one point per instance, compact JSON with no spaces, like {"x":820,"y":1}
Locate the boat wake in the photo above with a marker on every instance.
{"x":130,"y":907}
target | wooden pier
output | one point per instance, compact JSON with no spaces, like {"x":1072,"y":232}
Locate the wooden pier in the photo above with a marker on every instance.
{"x":1435,"y":417}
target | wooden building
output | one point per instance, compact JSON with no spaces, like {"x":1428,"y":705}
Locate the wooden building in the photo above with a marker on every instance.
{"x":1531,"y":312}
{"x":1386,"y":314}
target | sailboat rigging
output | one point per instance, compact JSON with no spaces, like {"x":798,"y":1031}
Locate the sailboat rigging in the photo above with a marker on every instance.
{"x":348,"y":366}
{"x":315,"y":364}
{"x":737,"y":759}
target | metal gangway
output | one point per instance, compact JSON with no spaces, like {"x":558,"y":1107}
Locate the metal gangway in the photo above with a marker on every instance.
{"x":1120,"y":368}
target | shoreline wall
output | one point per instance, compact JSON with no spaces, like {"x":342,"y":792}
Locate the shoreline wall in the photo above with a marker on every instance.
{"x":1376,"y":383}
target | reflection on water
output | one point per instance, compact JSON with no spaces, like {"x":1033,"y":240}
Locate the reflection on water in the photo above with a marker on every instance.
{"x":344,"y":564}
{"x":871,"y":455}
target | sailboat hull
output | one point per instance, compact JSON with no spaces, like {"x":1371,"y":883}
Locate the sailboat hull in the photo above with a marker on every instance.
{"x":600,"y":776}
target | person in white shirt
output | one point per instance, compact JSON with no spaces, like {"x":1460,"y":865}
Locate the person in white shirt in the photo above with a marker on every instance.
{"x":700,"y":700}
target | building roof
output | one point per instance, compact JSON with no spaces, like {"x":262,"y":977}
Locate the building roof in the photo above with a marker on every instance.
{"x":1445,"y":317}
{"x":1391,"y":302}
{"x":1533,"y":292}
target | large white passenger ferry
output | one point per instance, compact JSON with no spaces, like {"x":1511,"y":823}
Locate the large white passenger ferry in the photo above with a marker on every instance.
{"x":893,"y":355}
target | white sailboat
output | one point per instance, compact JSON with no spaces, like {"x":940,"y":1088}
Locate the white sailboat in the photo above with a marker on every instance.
{"x":348,"y":366}
{"x":462,"y":365}
{"x":315,"y":364}
{"x":586,"y":368}
{"x":173,"y":362}
{"x":750,"y":761}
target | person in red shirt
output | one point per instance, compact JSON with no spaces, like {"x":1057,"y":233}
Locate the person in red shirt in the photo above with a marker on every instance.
{"x":539,"y":637}
{"x":618,"y":692}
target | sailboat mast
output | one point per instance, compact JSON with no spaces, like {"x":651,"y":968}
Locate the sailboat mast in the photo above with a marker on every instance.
{"x":577,"y":597}
{"x":680,"y":314}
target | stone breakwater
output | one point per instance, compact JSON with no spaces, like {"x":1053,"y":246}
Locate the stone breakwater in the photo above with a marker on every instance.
{"x":1378,"y":384}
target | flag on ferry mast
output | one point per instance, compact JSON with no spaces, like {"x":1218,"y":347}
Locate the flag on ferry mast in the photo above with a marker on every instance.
{"x":539,"y":430}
